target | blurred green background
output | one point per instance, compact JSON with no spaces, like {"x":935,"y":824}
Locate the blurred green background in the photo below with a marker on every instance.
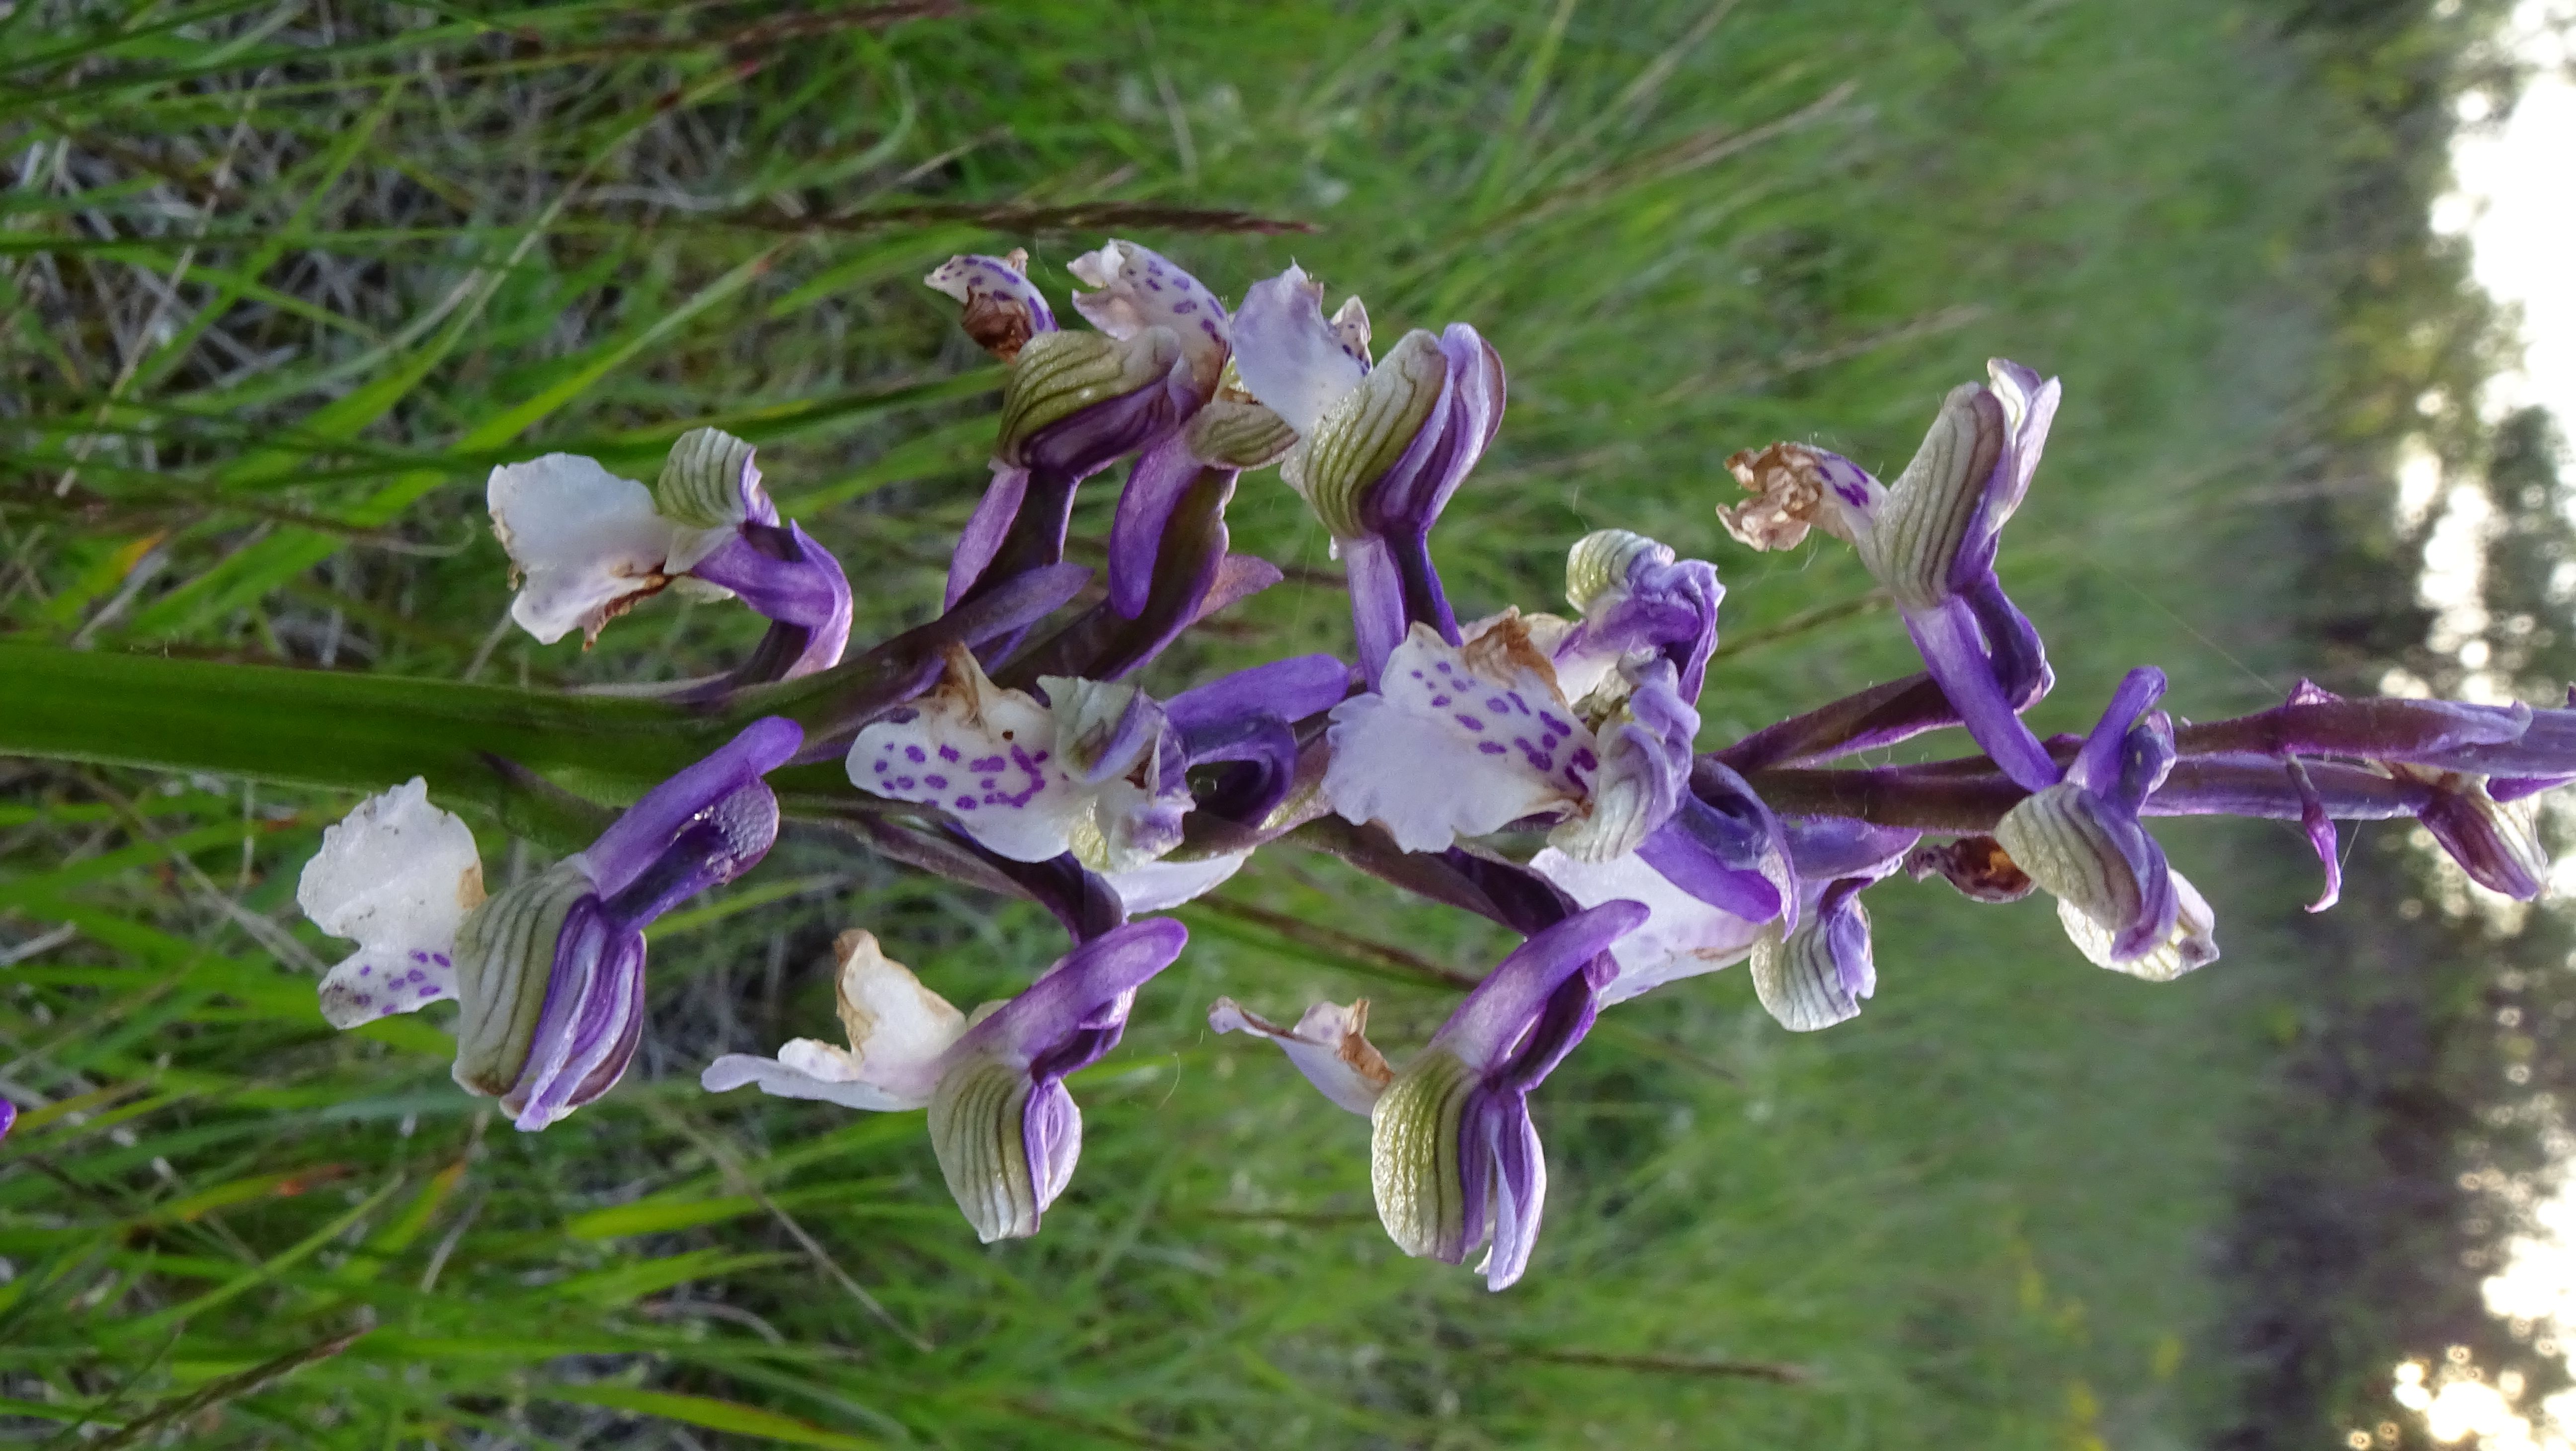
{"x":280,"y":281}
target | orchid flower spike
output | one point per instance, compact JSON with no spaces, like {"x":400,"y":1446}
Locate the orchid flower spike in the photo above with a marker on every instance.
{"x":550,"y":973}
{"x":1076,"y":402}
{"x":2080,"y":840}
{"x":1006,"y":1132}
{"x":1930,"y":539}
{"x":1380,"y":447}
{"x":586,"y":546}
{"x":1464,"y":739}
{"x":1453,"y":1158}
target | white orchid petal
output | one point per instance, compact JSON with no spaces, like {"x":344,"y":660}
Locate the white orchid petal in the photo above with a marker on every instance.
{"x":1329,"y":1045}
{"x":584,"y":542}
{"x":984,"y":755}
{"x":803,"y":1069}
{"x":398,"y":876}
{"x":1162,"y":885}
{"x":1682,"y":937}
{"x":1458,"y":741}
{"x":900,"y":1033}
{"x":1291,"y":358}
{"x":1140,"y":291}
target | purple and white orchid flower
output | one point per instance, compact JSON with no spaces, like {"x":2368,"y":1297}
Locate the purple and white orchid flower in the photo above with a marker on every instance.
{"x":1776,"y":891}
{"x":1930,"y":539}
{"x":1095,"y":768}
{"x":1453,"y":1157}
{"x":586,"y":546}
{"x":1076,"y":402}
{"x":550,"y":973}
{"x":1006,"y":1132}
{"x":1380,"y":447}
{"x":1464,"y":739}
{"x":2079,"y":838}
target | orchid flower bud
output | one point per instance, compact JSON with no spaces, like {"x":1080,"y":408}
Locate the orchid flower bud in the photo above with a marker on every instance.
{"x":2492,"y":842}
{"x":1003,"y":308}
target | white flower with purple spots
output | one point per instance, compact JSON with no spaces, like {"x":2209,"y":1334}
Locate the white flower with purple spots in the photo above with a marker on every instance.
{"x":1139,"y":291}
{"x":1088,"y":771}
{"x":1460,"y":740}
{"x":398,"y":876}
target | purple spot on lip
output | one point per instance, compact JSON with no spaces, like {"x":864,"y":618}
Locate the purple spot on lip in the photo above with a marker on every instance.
{"x":965,"y":803}
{"x":1519,"y":704}
{"x":1470,"y":722}
{"x":1585,"y":760}
{"x":1491,"y":748}
{"x":1497,"y":704}
{"x":987,"y":763}
{"x":1185,"y":307}
{"x":418,"y":956}
{"x":366,"y":1000}
{"x":1439,"y":702}
{"x":1552,"y":723}
{"x":988,"y":783}
{"x":936,"y":783}
{"x":948,"y":753}
{"x":441,"y":959}
{"x":365,"y":971}
{"x":903,"y":783}
{"x":1207,"y":327}
{"x":914,"y":755}
{"x":429,"y":992}
{"x":881,"y":768}
{"x":1417,"y":675}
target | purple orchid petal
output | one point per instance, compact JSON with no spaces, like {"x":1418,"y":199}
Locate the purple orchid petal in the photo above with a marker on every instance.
{"x":1514,"y":998}
{"x":1954,"y":649}
{"x":1154,"y":489}
{"x":1048,"y":1020}
{"x":1290,"y":689}
{"x":783,"y":575}
{"x":1408,"y":499}
{"x":1288,"y":355}
{"x":1822,"y":848}
{"x":1723,"y":846}
{"x":2499,"y":853}
{"x":645,"y":831}
{"x":8,"y":1117}
{"x":1670,"y":607}
{"x":2100,"y":766}
{"x":1501,"y":1123}
{"x":2013,"y":646}
{"x":2320,"y":830}
{"x":1378,"y":622}
{"x":985,"y":529}
{"x":587,"y":1030}
{"x":1051,"y":1134}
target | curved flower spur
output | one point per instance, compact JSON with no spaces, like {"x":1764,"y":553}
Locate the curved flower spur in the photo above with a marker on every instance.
{"x":550,"y":973}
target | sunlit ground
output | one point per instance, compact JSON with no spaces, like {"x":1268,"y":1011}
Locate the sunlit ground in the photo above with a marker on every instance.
{"x":2513,"y":205}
